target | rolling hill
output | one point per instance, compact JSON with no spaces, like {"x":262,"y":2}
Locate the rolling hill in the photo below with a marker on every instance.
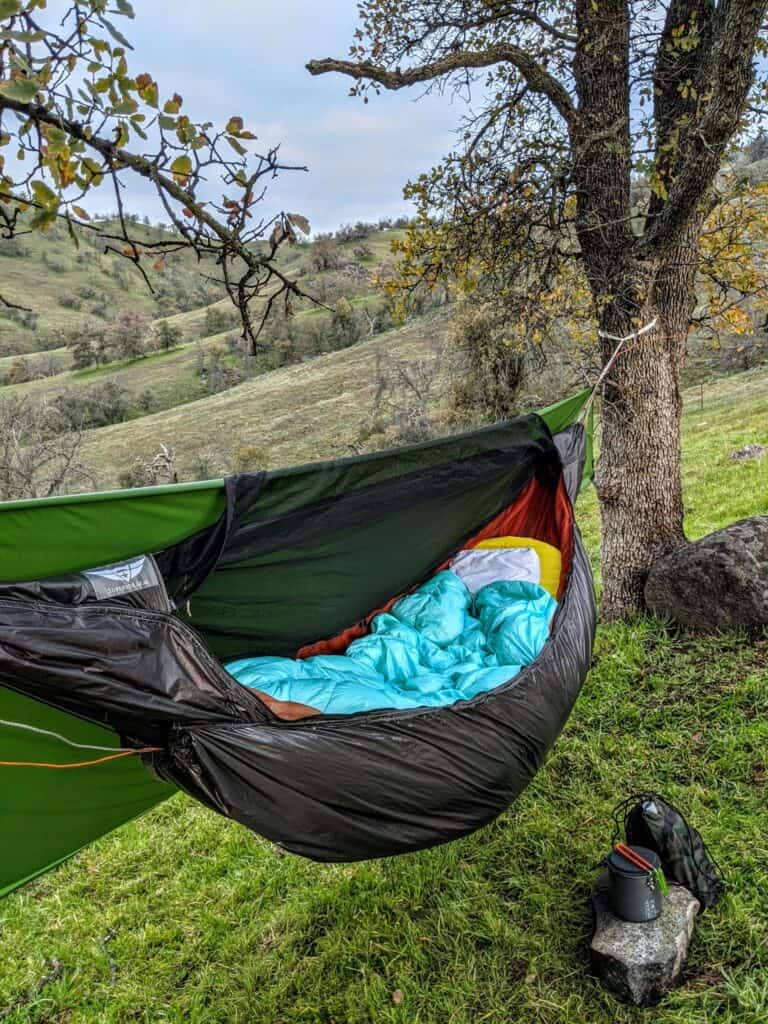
{"x":295,"y":414}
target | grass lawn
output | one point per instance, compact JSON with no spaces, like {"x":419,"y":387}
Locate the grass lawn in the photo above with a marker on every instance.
{"x":183,"y":917}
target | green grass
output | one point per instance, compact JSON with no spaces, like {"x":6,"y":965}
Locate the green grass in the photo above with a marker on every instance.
{"x":182,"y":917}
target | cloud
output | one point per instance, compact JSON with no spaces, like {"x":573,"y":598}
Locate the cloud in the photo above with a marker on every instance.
{"x":248,"y":58}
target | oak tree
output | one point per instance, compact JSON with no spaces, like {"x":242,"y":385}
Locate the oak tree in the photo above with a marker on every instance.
{"x":586,"y":182}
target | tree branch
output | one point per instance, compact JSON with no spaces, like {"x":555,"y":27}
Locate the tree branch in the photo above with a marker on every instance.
{"x":727,"y":80}
{"x":117,"y":157}
{"x":538,"y":79}
{"x":13,"y":305}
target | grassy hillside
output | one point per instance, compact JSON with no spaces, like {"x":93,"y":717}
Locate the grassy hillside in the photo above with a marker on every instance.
{"x":66,"y":286}
{"x":318,"y":409}
{"x":160,"y":380}
{"x":63,"y":285}
{"x":184,"y":918}
{"x":313,"y":410}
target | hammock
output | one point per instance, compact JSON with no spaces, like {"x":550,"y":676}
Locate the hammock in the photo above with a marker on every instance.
{"x":113,"y":693}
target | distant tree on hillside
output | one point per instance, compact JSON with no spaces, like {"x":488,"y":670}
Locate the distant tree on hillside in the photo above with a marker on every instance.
{"x":534,"y":210}
{"x":47,"y":365}
{"x":216,"y":320}
{"x":168,"y":336}
{"x":128,"y":334}
{"x":79,"y":119}
{"x":325,"y":255}
{"x":83,"y":352}
{"x":347,"y":323}
{"x":18,"y":372}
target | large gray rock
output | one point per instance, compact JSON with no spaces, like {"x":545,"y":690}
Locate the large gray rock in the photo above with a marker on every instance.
{"x":717,"y":583}
{"x":640,"y":963}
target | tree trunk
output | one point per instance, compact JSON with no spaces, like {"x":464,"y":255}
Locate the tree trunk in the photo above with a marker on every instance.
{"x":638,"y":477}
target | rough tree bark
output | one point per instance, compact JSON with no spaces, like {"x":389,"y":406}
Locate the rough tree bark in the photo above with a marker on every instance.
{"x":638,"y":476}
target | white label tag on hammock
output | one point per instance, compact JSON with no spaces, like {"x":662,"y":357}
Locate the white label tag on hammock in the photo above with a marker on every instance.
{"x":121,"y":578}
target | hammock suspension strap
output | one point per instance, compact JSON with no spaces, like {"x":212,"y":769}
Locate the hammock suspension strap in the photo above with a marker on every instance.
{"x":621,"y":341}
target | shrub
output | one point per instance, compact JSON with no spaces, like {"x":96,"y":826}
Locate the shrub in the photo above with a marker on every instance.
{"x":54,"y":263}
{"x":146,"y":401}
{"x":18,"y":372}
{"x":250,"y":458}
{"x":97,"y":406}
{"x":204,"y":466}
{"x":13,"y":249}
{"x":47,"y":366}
{"x":160,"y":469}
{"x":491,"y":367}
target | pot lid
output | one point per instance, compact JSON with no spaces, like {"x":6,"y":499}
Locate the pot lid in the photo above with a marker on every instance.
{"x":622,"y":866}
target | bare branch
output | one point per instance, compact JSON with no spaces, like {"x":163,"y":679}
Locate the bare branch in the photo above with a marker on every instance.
{"x":538,"y":79}
{"x":13,"y":305}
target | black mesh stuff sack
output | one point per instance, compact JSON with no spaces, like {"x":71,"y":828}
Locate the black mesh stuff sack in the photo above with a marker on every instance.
{"x":653,"y":822}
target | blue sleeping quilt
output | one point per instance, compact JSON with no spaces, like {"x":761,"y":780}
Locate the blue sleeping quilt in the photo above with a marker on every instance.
{"x":438,"y":645}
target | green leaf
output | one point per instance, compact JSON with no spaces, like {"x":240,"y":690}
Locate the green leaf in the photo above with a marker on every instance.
{"x":57,"y":140}
{"x":44,"y":196}
{"x":43,"y":219}
{"x":125,"y":107}
{"x":92,"y":172}
{"x":116,"y":33}
{"x":9,"y":7}
{"x":22,"y":90}
{"x":19,"y":63}
{"x":168,"y":123}
{"x":181,"y":167}
{"x":173,"y":105}
{"x":72,"y":232}
{"x":22,"y":37}
{"x":149,"y":94}
{"x":125,"y":8}
{"x":237,"y":146}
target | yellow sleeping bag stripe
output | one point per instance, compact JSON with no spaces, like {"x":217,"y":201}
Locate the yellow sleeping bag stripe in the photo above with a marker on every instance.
{"x":550,"y":559}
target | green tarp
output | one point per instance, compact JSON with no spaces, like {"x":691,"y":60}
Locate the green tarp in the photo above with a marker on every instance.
{"x":47,"y":815}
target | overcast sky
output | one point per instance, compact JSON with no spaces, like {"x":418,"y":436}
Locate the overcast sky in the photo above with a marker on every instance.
{"x":247,"y":57}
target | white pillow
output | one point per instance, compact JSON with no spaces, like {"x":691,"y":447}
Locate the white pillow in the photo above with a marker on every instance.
{"x":476,"y":567}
